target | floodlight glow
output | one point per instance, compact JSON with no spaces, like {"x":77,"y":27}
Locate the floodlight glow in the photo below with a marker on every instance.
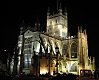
{"x":43,"y":71}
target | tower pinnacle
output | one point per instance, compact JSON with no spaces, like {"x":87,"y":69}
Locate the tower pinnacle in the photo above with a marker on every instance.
{"x":22,"y":27}
{"x":37,"y":25}
{"x":65,"y":11}
{"x":60,"y":9}
{"x":48,"y":12}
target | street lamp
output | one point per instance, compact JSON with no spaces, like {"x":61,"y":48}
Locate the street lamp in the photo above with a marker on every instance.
{"x":57,"y":58}
{"x":37,"y":60}
{"x":49,"y":57}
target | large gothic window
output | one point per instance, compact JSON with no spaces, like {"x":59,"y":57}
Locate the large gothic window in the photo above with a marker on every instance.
{"x":74,"y":50}
{"x":27,"y":55}
{"x":27,"y":58}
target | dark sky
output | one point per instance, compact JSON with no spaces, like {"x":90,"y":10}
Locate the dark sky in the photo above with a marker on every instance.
{"x":80,"y":13}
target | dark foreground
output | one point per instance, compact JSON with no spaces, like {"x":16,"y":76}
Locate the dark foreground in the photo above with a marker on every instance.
{"x":6,"y":76}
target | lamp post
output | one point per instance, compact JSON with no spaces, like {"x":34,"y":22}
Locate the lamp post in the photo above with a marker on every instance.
{"x":57,"y":58}
{"x":37,"y":63}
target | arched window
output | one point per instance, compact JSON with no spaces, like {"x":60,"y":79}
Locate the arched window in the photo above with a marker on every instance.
{"x":74,"y":50}
{"x":27,"y":58}
{"x":64,"y":49}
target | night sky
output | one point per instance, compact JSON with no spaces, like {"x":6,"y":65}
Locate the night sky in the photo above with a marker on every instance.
{"x":80,"y":13}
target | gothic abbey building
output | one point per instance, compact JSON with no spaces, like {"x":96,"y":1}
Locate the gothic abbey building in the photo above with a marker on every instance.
{"x":53,"y":51}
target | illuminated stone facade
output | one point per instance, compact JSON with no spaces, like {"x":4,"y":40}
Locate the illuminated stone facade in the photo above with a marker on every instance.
{"x":36,"y":49}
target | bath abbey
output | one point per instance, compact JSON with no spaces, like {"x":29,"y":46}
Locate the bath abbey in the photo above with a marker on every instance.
{"x":52,"y":51}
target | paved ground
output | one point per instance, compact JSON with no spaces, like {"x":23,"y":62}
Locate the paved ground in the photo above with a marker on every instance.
{"x":82,"y":78}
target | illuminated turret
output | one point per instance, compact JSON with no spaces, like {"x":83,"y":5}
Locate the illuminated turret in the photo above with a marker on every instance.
{"x":48,"y":13}
{"x":60,"y":9}
{"x":22,"y":27}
